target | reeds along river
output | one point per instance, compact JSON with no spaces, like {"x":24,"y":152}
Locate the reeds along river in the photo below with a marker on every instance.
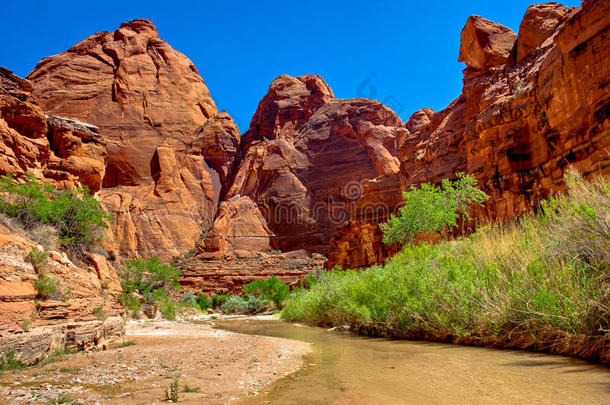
{"x":346,"y":369}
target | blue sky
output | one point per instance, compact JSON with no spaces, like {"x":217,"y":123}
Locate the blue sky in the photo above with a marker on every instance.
{"x":402,"y":53}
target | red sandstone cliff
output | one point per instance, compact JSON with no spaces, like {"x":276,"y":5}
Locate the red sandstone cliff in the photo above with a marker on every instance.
{"x":307,"y":154}
{"x":532,"y":105}
{"x":169,"y":151}
{"x":64,"y":153}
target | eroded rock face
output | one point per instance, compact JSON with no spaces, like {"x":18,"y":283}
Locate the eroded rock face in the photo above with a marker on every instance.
{"x":539,"y":23}
{"x":486,"y":44}
{"x":78,"y":150}
{"x":229,"y":274}
{"x":169,"y":151}
{"x":239,"y":229}
{"x":72,"y":317}
{"x":306,"y":155}
{"x":80,"y":287}
{"x":517,"y":127}
{"x":63,"y":152}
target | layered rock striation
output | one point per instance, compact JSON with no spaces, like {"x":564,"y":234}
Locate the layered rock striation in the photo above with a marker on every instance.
{"x":63,"y":152}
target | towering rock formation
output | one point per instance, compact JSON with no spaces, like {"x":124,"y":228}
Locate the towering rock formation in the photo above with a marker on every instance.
{"x":169,"y":151}
{"x":519,"y":123}
{"x":307,"y":155}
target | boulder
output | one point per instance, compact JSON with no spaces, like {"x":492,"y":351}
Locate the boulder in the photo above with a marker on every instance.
{"x":539,"y":23}
{"x":486,"y":44}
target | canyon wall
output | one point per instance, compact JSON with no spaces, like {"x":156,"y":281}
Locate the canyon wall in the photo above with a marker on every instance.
{"x":84,"y":313}
{"x":532,"y":105}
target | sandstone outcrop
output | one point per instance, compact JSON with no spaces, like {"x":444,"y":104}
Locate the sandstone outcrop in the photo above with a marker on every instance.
{"x":306,"y":156}
{"x":63,"y":152}
{"x":539,"y":23}
{"x":239,"y":229}
{"x":75,"y":317}
{"x":486,"y":44}
{"x":516,"y":127}
{"x":228,"y":275}
{"x":82,"y":288}
{"x":169,"y":151}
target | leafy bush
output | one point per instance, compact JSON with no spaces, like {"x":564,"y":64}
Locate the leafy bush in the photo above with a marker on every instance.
{"x":10,"y":361}
{"x":171,"y":394}
{"x":188,"y":299}
{"x":270,"y":289}
{"x":248,"y":304}
{"x":75,"y":214}
{"x":188,"y":388}
{"x":48,"y":287}
{"x":130,"y":303}
{"x":430,"y":208}
{"x":546,"y":276}
{"x":145,"y":275}
{"x":46,"y":235}
{"x":39,"y":260}
{"x":203,"y":302}
{"x":219,"y":299}
{"x":26,"y":325}
{"x":61,"y":399}
{"x":165,"y":303}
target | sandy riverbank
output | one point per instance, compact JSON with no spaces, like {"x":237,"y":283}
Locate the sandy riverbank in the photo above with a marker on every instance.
{"x":225,"y":366}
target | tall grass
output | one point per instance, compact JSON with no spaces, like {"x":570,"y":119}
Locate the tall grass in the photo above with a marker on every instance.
{"x":543,"y":283}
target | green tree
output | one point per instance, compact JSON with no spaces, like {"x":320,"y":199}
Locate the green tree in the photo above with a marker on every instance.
{"x":145,"y":275}
{"x":431,"y":208}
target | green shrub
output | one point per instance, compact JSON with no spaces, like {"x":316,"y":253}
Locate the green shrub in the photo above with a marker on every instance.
{"x":248,"y":304}
{"x":430,"y":209}
{"x":26,"y":325}
{"x":187,"y":388}
{"x":145,"y":275}
{"x":46,"y":235}
{"x":48,"y":287}
{"x":166,"y":304}
{"x":171,"y":394}
{"x":75,"y":214}
{"x":548,"y":274}
{"x":10,"y":361}
{"x":270,"y":289}
{"x":189,"y":300}
{"x":130,"y":303}
{"x":100,"y":313}
{"x":39,"y":259}
{"x":203,"y":302}
{"x":219,"y":299}
{"x":126,"y":344}
{"x":61,"y":399}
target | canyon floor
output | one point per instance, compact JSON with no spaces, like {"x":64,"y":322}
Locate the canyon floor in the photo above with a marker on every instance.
{"x":223,"y":366}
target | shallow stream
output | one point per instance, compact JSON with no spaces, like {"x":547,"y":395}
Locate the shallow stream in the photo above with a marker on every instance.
{"x":346,"y":369}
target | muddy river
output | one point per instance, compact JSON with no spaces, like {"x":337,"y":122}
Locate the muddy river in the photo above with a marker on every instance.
{"x":345,"y":369}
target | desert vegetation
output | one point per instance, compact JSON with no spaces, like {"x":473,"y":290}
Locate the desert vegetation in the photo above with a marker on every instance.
{"x":71,"y":218}
{"x":542,"y":282}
